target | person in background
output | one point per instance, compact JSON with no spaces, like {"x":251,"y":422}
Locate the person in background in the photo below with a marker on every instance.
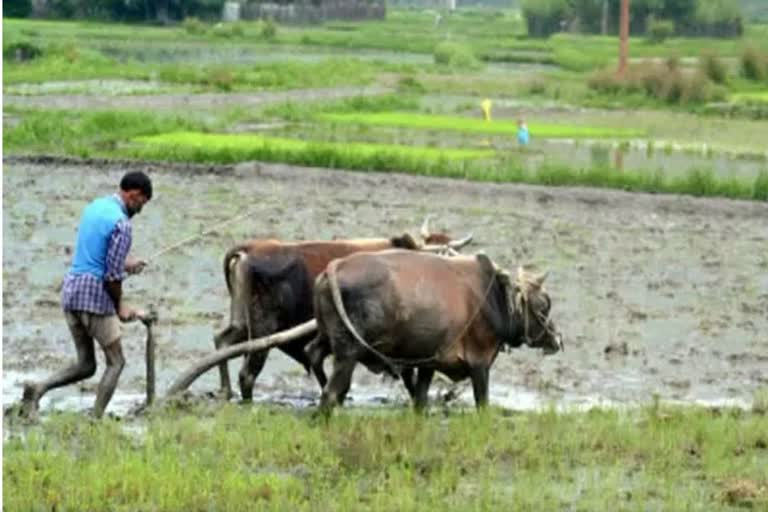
{"x":92,"y":294}
{"x":523,"y":137}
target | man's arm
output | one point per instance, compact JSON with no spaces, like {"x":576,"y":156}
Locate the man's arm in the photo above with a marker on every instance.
{"x":117,"y":252}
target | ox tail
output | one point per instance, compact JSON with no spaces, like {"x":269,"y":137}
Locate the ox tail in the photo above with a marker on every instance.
{"x":239,"y":286}
{"x":232,"y":257}
{"x":338,"y":303}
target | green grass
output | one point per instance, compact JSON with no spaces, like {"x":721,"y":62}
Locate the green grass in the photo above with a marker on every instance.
{"x":655,"y":458}
{"x":88,"y":133}
{"x":72,"y":64}
{"x":229,"y":148}
{"x":751,"y":97}
{"x":468,"y":125}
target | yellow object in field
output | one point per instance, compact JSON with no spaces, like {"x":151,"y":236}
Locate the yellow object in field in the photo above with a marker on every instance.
{"x":486,"y":106}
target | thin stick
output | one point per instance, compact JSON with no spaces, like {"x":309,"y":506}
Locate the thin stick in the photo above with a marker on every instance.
{"x":192,"y":238}
{"x":150,"y":355}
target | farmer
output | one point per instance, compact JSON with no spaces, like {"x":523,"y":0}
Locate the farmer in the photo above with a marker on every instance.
{"x":523,"y":137}
{"x":92,"y":296}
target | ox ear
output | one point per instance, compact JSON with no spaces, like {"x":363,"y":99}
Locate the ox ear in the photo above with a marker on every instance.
{"x":406,"y":241}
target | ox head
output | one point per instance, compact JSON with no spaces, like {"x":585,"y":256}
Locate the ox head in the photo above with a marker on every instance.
{"x":440,"y":243}
{"x":530,"y":307}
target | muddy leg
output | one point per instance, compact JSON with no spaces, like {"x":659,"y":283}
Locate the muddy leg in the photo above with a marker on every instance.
{"x":317,"y":350}
{"x":225,"y":338}
{"x":113,"y":354}
{"x":479,"y":376}
{"x":336,"y":389}
{"x":251,"y":369}
{"x":422,"y":388}
{"x":84,"y":368}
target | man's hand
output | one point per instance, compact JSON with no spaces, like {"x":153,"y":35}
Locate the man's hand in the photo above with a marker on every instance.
{"x":128,"y":314}
{"x":134,"y":265}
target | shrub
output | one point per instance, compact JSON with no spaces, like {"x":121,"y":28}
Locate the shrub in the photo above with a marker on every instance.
{"x":410,"y":84}
{"x":754,"y":64}
{"x":673,"y":62}
{"x":193,"y":26}
{"x":21,"y":51}
{"x":536,"y":86}
{"x":221,"y":78}
{"x":660,"y":30}
{"x":227,"y":30}
{"x":713,"y":68}
{"x":658,"y":82}
{"x":455,"y":55}
{"x":269,"y":30}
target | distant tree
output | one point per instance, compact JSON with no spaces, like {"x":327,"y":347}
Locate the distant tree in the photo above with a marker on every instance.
{"x":17,"y":8}
{"x":545,"y":17}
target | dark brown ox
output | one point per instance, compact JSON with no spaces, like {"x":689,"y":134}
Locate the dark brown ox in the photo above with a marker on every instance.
{"x":399,"y":309}
{"x":271,"y":285}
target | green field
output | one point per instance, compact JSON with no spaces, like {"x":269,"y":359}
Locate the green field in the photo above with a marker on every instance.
{"x":269,"y":459}
{"x":463,"y":124}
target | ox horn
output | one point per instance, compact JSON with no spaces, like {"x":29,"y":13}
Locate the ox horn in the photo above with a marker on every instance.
{"x":458,"y":244}
{"x":539,"y":279}
{"x":424,"y":231}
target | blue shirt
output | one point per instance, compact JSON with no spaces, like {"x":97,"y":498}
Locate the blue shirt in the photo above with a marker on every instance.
{"x":522,"y":136}
{"x":103,"y":242}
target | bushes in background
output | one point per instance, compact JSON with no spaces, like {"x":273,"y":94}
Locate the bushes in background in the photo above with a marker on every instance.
{"x":660,"y":82}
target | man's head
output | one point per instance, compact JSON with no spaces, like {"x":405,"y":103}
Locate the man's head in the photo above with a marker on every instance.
{"x":136,"y":191}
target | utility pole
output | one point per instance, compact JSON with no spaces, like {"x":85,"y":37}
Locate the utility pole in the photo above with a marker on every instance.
{"x":624,"y":37}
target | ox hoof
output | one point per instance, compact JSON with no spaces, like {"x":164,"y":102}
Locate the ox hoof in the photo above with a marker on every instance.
{"x":224,"y":394}
{"x":30,"y":401}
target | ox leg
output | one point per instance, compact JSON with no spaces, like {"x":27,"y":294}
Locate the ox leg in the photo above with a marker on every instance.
{"x":409,"y":380}
{"x":252,"y":366}
{"x":479,"y":376}
{"x":223,"y":339}
{"x":423,"y":381}
{"x":317,"y":350}
{"x":336,"y":389}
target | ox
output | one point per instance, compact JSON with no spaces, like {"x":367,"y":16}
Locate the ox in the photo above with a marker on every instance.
{"x":399,"y":309}
{"x":271,"y":284}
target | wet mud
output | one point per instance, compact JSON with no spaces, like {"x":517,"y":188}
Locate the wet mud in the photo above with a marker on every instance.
{"x":657,"y":295}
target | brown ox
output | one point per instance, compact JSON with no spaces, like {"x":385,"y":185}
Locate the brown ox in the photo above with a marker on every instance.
{"x":401,"y":309}
{"x":271,"y":285}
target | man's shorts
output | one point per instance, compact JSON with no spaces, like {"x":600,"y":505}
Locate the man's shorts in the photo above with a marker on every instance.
{"x":85,"y":326}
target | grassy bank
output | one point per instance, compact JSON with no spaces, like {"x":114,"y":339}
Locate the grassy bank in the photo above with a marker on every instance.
{"x":228,"y":148}
{"x":468,"y":125}
{"x":71,"y":64}
{"x":241,"y":459}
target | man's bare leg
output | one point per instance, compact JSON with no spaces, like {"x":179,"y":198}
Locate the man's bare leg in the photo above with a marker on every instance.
{"x":113,"y":354}
{"x":84,"y":368}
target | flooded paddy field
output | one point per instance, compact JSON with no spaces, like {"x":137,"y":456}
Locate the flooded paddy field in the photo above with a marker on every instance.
{"x":657,"y":295}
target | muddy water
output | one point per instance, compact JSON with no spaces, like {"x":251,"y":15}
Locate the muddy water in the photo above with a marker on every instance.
{"x":656,"y":294}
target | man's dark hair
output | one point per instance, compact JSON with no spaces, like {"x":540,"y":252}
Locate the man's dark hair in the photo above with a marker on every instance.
{"x":137,"y":180}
